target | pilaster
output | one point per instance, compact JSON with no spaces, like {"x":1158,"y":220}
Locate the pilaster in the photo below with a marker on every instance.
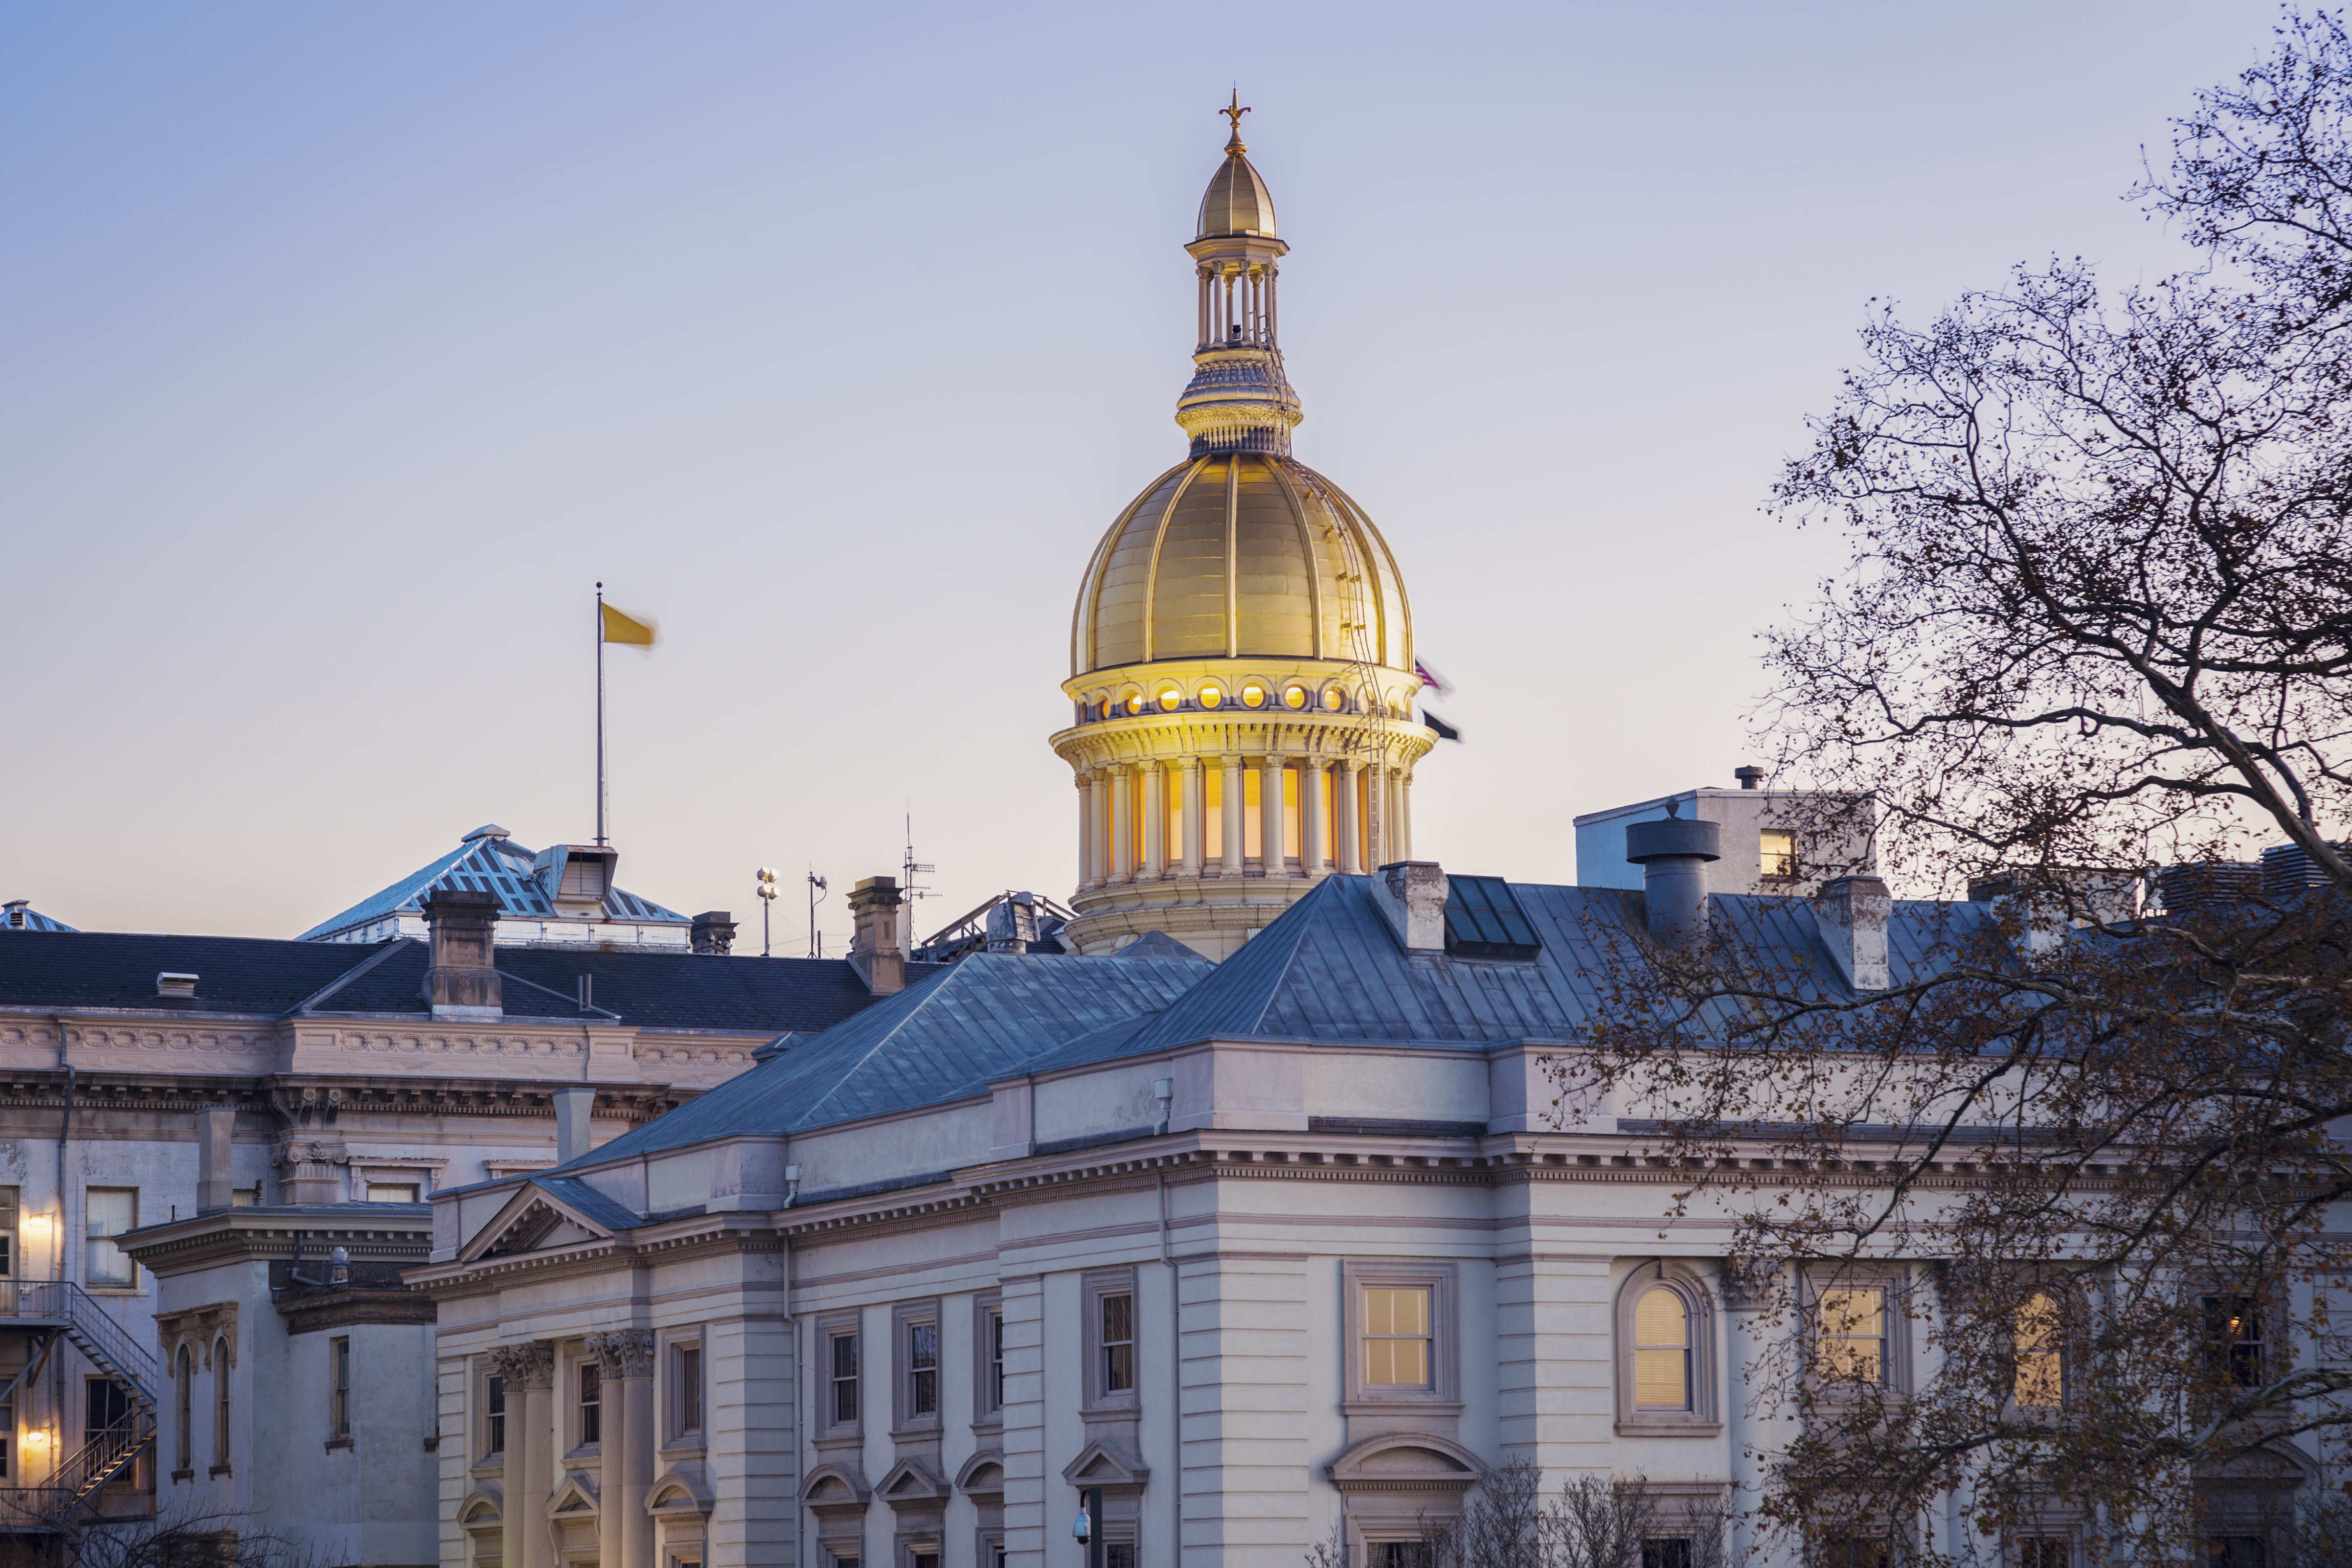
{"x":1244,"y":1434}
{"x":624,"y":1534}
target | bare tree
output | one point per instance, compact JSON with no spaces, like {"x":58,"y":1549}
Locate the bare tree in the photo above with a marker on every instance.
{"x":187,"y":1540}
{"x":2097,"y":619}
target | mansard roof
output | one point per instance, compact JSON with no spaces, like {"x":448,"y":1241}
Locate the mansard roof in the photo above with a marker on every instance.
{"x":486,"y":861}
{"x":934,"y":1042}
{"x":273,"y":979}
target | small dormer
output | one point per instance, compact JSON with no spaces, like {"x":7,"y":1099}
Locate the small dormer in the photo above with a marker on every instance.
{"x":576,"y":878}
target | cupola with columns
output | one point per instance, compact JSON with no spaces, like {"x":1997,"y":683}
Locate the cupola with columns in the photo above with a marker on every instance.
{"x":1241,"y":659}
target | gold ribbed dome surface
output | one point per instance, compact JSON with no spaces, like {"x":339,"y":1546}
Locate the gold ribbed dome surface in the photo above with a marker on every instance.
{"x":1241,"y":554}
{"x":1237,"y":202}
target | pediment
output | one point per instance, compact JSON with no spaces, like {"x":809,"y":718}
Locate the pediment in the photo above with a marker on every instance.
{"x":675,"y":1494}
{"x":483,"y":1507}
{"x":836,"y":1488}
{"x":534,"y":1220}
{"x":575,"y":1496}
{"x":1406,"y":1462}
{"x":1100,"y":1464}
{"x":910,"y":1483}
{"x":983,"y":1474}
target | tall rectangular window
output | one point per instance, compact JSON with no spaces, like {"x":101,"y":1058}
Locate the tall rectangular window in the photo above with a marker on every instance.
{"x":689,"y":1388}
{"x":1171,"y":822}
{"x":922,"y":1369}
{"x":993,"y":1383}
{"x":1667,"y":1551}
{"x":113,"y":1212}
{"x":1292,"y":846}
{"x":1213,"y":813}
{"x":107,"y":1406}
{"x":592,"y":1402}
{"x":1397,"y":1333}
{"x":494,"y":1408}
{"x":2044,"y":1552}
{"x":1777,"y":853}
{"x":339,"y":1409}
{"x":2233,"y":1341}
{"x":220,"y":1406}
{"x":1118,"y":1343}
{"x":2041,"y":1354}
{"x":1329,"y":845}
{"x":1252,"y":817}
{"x":845,"y":1379}
{"x":1851,"y":1328}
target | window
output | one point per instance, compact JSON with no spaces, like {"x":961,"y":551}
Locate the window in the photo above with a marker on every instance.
{"x":1850,"y":1330}
{"x":2237,"y":1551}
{"x":1294,"y":696}
{"x":843,"y":1367}
{"x":1400,"y":1333}
{"x":106,"y":1407}
{"x":2043,"y":1551}
{"x":1118,"y":1554}
{"x":183,"y":1430}
{"x":1170,"y":699}
{"x":1864,"y":1552}
{"x":338,"y":1415}
{"x":688,"y":1367}
{"x":1213,"y":695}
{"x":1118,"y":1341}
{"x":1401,"y":1554}
{"x":1396,"y":1336}
{"x":393,"y":1191}
{"x":989,"y":1357}
{"x":1484,"y":920}
{"x":1662,"y":1357}
{"x":591,"y":1403}
{"x":1107,"y":1305}
{"x":1779,"y":847}
{"x":922,"y":1369}
{"x":245,"y":1198}
{"x":2234,"y":1344}
{"x":494,"y":1405}
{"x":220,"y":1406}
{"x":112,"y":1211}
{"x":2041,"y":1363}
{"x":1334,"y":700}
{"x":1252,"y":694}
{"x":1668,"y":1552}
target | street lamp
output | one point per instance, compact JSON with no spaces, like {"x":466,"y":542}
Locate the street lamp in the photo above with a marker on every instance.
{"x":767,"y":901}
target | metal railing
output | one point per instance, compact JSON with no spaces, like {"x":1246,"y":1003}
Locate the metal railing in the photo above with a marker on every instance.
{"x":88,"y":1324}
{"x":102,"y":1459}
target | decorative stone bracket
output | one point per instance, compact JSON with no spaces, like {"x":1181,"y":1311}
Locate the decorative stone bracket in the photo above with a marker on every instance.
{"x":203,"y":1327}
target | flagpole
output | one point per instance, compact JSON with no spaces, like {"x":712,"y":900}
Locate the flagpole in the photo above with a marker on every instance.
{"x":599,"y":713}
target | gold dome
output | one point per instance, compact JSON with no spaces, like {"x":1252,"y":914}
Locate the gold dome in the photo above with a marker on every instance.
{"x":1242,"y":555}
{"x":1237,"y":202}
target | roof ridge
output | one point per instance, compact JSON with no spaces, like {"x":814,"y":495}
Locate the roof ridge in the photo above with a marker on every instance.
{"x":927,"y":989}
{"x":347,"y":976}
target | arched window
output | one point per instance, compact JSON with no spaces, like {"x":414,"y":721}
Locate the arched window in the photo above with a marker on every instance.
{"x":1665,"y":1352}
{"x":184,"y":1450}
{"x":220,"y":1405}
{"x":2041,"y":1354}
{"x":1213,"y":695}
{"x":1662,"y":1379}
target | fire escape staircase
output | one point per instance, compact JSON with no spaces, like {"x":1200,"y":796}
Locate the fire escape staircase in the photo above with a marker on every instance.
{"x":60,"y":1309}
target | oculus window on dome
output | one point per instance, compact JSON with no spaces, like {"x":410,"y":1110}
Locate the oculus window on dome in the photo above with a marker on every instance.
{"x":1484,"y":920}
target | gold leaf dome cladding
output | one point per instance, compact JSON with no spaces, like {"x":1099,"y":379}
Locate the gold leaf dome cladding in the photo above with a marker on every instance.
{"x":1237,"y":202}
{"x":1238,"y":555}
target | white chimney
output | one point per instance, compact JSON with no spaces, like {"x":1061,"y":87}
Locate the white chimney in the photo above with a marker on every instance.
{"x":1853,"y":911}
{"x":1411,"y":894}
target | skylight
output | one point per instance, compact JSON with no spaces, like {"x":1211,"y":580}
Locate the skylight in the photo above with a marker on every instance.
{"x":1484,"y":920}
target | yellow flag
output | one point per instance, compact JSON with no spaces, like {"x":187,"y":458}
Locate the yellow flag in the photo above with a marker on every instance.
{"x":619,"y":628}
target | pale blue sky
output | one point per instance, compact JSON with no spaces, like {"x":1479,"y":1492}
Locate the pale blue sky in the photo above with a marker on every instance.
{"x":343,"y":347}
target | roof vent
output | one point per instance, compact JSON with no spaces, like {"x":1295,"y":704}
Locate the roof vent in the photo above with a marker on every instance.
{"x":1751,"y":777}
{"x":486,"y":831}
{"x":168,"y":984}
{"x":17,"y":913}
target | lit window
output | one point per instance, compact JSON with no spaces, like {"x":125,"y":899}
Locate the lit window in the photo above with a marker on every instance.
{"x":1853,"y":1334}
{"x":1118,"y":1343}
{"x":2041,"y":1366}
{"x":592,"y":1402}
{"x":1294,"y":696}
{"x":1661,"y":1352}
{"x":922,"y":1369}
{"x":1213,"y":695}
{"x":2233,"y":1341}
{"x":1101,"y":708}
{"x":1334,"y":700}
{"x":1253,"y":695}
{"x":1171,"y":700}
{"x":113,"y":1212}
{"x":1134,"y":702}
{"x":1396,"y":1336}
{"x":1779,"y":851}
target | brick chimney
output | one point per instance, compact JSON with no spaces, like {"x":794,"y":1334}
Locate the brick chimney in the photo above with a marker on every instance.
{"x":1411,"y":894}
{"x":462,"y":983}
{"x":714,"y":932}
{"x":874,"y":950}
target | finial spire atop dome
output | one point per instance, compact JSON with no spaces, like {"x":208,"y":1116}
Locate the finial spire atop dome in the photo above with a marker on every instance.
{"x":1239,"y":400}
{"x":1234,"y":113}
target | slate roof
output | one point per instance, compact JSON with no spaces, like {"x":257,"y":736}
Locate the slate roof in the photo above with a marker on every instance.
{"x":934,"y":1042}
{"x":494,"y":864}
{"x":1329,"y":970}
{"x":649,"y":989}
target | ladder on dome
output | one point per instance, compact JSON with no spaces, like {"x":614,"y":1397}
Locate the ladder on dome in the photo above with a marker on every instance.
{"x":1362,"y":658}
{"x":60,"y":1309}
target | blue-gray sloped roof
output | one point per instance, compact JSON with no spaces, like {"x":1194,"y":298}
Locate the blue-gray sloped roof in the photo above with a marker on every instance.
{"x":587,"y":1202}
{"x":934,"y":1042}
{"x":20,"y":915}
{"x":492,"y":864}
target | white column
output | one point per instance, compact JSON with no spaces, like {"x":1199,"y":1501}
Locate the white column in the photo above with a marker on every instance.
{"x":1269,"y":807}
{"x":1312,"y":771}
{"x":1196,"y":816}
{"x":528,"y":1481}
{"x":1404,"y":813}
{"x":1085,"y":832}
{"x":1121,"y":860}
{"x":1233,"y":812}
{"x":1097,"y":828}
{"x":1155,"y":820}
{"x":1344,"y":783}
{"x":624,"y":1535}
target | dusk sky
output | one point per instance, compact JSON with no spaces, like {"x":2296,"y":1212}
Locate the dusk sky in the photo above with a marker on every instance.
{"x":344,"y":347}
